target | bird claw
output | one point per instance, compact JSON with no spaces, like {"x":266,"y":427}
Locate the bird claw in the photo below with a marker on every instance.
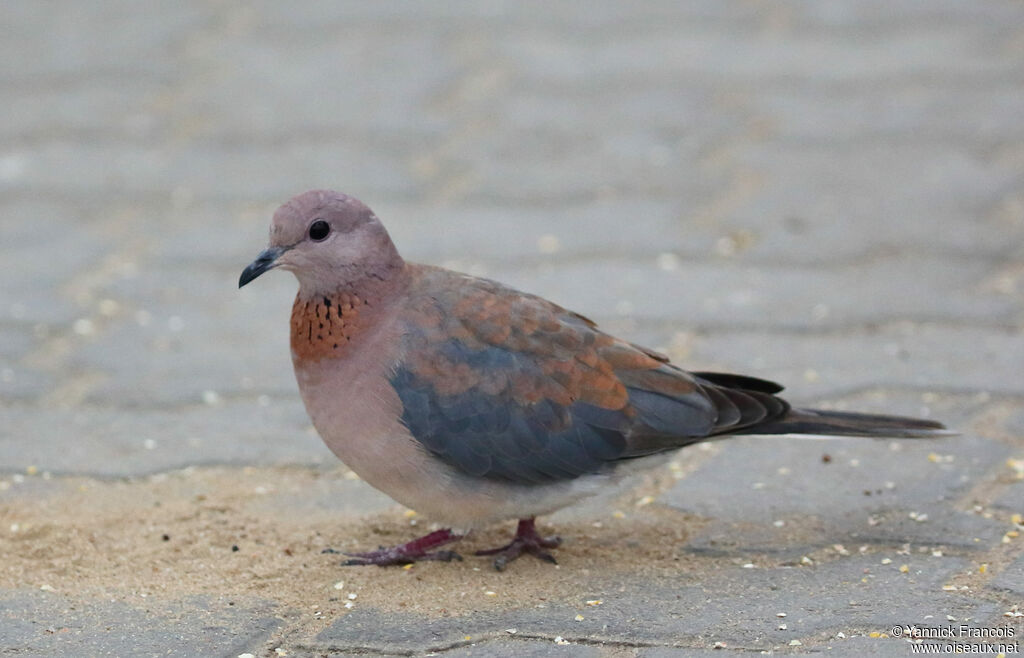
{"x":526,"y":541}
{"x":418,"y":550}
{"x":386,"y":557}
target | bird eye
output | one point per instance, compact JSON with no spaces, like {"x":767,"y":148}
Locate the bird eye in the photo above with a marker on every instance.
{"x":319,"y":230}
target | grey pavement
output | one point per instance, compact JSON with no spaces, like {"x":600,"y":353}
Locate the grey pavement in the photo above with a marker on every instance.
{"x":828,"y":193}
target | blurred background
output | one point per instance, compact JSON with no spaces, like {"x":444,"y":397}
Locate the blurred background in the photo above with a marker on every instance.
{"x":826,"y":193}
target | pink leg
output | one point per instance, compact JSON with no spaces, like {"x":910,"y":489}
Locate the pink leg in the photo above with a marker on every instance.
{"x":526,"y":541}
{"x":413,"y":551}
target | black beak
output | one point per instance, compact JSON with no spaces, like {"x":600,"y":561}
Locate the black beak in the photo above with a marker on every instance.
{"x":265,"y":261}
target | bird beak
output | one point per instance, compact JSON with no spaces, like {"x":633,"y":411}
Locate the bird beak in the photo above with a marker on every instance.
{"x":267,"y":260}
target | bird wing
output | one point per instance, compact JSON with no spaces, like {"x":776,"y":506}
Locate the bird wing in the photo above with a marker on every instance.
{"x":505,"y":385}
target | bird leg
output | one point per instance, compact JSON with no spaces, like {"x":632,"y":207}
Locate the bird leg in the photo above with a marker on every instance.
{"x":526,"y":541}
{"x":416,"y":550}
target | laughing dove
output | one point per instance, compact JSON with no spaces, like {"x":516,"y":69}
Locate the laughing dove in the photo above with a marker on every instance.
{"x":476,"y":403}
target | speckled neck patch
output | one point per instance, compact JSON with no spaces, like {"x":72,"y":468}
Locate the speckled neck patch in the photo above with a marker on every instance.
{"x":324,"y":327}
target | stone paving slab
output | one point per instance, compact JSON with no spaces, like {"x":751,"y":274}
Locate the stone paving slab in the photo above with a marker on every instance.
{"x":47,"y":624}
{"x":855,"y":590}
{"x":118,"y":443}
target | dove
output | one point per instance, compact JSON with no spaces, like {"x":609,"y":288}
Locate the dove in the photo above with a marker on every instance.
{"x":474,"y":403}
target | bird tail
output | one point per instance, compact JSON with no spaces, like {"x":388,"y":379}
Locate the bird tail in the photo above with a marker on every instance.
{"x":842,"y":423}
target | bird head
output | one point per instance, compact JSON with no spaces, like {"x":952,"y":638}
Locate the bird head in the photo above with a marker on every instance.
{"x":328,"y":240}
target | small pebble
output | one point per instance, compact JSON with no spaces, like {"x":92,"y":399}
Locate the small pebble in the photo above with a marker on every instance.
{"x":668,"y":262}
{"x":84,"y":327}
{"x":548,"y":244}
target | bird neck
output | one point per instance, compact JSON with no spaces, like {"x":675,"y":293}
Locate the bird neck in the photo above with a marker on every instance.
{"x":329,"y":325}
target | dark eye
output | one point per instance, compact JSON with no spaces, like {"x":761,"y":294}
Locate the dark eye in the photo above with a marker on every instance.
{"x":319,"y":230}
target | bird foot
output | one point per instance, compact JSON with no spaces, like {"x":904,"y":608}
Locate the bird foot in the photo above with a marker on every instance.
{"x":527,"y":540}
{"x":417,"y":550}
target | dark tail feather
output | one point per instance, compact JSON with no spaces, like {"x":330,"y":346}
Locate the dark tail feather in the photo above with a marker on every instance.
{"x":841,"y":423}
